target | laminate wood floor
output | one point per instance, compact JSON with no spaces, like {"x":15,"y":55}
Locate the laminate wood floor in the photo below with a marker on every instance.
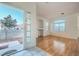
{"x":58,"y":46}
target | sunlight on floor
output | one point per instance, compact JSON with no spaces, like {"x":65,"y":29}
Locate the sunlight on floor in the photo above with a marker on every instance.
{"x":15,"y":45}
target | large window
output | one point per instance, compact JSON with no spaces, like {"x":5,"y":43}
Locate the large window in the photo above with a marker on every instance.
{"x":59,"y":26}
{"x":11,"y":28}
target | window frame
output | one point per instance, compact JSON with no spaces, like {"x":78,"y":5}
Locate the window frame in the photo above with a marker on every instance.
{"x":59,"y":28}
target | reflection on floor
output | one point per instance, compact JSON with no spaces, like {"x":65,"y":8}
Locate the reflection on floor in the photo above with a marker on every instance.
{"x":15,"y":45}
{"x":32,"y":52}
{"x":59,"y":46}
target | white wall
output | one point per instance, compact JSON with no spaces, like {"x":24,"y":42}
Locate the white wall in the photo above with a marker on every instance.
{"x":71,"y":27}
{"x":78,"y":25}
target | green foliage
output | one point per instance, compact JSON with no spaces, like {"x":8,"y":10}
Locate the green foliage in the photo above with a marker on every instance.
{"x":9,"y":22}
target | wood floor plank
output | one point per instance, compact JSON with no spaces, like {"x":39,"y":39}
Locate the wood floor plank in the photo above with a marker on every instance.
{"x":47,"y":43}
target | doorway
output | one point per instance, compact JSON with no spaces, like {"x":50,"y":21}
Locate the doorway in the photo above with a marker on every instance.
{"x":11,"y":28}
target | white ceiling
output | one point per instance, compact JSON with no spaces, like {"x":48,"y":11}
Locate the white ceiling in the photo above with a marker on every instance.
{"x":51,"y":10}
{"x":54,"y":9}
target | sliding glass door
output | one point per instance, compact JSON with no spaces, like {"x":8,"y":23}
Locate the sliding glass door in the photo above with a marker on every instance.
{"x":11,"y":28}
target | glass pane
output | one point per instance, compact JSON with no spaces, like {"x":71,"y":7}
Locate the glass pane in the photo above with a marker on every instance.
{"x":59,"y":25}
{"x":62,"y":24}
{"x":11,"y":28}
{"x":56,"y":27}
{"x":28,"y":34}
{"x":62,"y":27}
{"x":28,"y":21}
{"x":28,"y":15}
{"x":28,"y":27}
{"x":28,"y":39}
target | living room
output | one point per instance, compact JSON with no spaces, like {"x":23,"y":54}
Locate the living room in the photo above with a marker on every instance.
{"x":50,"y":26}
